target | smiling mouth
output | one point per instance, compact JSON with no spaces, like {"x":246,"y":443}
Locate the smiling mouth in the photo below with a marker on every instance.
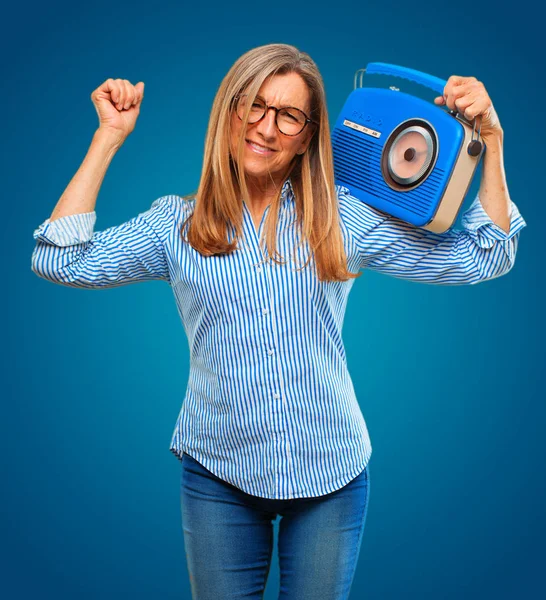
{"x":258,"y":148}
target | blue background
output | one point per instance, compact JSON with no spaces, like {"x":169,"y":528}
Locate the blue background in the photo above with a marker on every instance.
{"x":449,"y":378}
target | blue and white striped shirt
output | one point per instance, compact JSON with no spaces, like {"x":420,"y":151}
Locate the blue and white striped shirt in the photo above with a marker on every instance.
{"x":270,"y":406}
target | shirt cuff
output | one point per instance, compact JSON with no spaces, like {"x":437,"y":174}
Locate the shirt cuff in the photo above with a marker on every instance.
{"x":68,"y":230}
{"x":484,"y":230}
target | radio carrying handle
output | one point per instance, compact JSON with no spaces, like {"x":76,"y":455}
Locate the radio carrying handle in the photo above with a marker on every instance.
{"x":379,"y":68}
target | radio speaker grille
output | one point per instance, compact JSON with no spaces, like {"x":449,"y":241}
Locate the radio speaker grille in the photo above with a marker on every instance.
{"x":357,"y":162}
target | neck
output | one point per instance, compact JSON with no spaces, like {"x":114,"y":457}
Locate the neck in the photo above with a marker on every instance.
{"x":260,"y":197}
{"x":263,"y":192}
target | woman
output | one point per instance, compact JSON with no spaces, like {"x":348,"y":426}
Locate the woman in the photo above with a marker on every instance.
{"x":270,"y":424}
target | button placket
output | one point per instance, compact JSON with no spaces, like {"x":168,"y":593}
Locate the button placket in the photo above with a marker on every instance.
{"x":283,"y":441}
{"x":278,"y":427}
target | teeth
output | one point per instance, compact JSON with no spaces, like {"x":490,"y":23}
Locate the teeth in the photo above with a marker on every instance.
{"x":258,"y":146}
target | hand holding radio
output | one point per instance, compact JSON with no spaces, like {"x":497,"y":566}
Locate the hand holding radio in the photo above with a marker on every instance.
{"x":468,"y":97}
{"x":117,"y":103}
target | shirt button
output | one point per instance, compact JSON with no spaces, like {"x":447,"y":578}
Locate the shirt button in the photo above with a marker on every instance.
{"x":259,"y":270}
{"x":264,"y":311}
{"x":276,"y":395}
{"x":270,"y":351}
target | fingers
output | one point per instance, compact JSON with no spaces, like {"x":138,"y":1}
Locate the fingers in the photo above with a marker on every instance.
{"x":139,"y":93}
{"x":458,"y":87}
{"x":466,"y":95}
{"x":129,"y":95}
{"x":124,"y":94}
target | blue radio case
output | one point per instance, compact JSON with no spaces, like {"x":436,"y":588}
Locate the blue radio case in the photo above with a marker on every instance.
{"x":382,"y":134}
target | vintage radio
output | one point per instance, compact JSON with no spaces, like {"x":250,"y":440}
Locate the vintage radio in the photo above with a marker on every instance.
{"x":402,"y":155}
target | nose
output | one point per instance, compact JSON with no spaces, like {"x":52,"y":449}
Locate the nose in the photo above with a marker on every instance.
{"x":267,"y":126}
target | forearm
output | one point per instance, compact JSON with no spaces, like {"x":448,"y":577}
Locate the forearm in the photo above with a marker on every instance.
{"x":80,"y":196}
{"x":493,"y":191}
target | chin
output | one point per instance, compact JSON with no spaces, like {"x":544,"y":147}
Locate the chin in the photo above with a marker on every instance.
{"x":252,"y":170}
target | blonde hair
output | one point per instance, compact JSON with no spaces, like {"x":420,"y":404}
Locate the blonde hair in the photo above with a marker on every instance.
{"x":218,"y":204}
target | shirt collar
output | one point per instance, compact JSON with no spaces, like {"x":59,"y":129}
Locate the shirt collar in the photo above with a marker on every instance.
{"x":287,"y":192}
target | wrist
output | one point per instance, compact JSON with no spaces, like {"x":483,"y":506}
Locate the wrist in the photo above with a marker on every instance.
{"x":494,"y":138}
{"x":108,"y":137}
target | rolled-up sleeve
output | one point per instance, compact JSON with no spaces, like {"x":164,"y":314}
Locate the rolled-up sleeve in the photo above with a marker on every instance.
{"x":480,"y":251}
{"x":69,"y":252}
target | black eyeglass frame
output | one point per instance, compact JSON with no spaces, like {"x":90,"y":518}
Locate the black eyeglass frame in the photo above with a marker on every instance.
{"x":267,"y":107}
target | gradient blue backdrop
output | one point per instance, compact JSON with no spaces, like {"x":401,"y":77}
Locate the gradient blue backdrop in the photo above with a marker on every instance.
{"x":449,"y":379}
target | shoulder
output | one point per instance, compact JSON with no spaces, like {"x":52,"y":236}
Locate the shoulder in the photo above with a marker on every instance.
{"x":167,"y":214}
{"x":177,"y":208}
{"x":183,"y":205}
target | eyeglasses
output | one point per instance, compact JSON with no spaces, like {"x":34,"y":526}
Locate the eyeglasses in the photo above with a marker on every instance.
{"x":289,"y":120}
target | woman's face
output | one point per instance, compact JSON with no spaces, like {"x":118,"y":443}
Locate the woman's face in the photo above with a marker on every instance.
{"x":262,"y":164}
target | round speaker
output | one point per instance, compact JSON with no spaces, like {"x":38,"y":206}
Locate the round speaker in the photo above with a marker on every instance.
{"x":409,"y":154}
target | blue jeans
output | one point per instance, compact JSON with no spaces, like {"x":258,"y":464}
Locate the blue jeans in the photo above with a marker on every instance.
{"x":228,"y":537}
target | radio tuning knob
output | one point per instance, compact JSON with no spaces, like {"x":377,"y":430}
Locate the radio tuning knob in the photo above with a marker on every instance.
{"x":474,"y":148}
